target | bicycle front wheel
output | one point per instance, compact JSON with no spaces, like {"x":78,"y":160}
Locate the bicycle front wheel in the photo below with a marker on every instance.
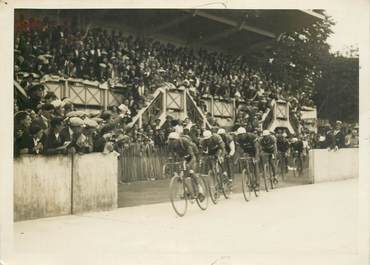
{"x":202,"y":198}
{"x":213,"y":187}
{"x":246,"y":185}
{"x":178,"y":195}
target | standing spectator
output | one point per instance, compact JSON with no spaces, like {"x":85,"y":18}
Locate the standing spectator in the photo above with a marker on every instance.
{"x":32,"y":141}
{"x":351,"y":139}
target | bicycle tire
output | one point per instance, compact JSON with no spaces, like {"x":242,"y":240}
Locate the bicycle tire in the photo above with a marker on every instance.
{"x":265,"y":177}
{"x":178,"y":195}
{"x":246,"y":185}
{"x":226,"y":188}
{"x":212,"y":187}
{"x":271,"y":178}
{"x":295,"y":173}
{"x":253,"y":179}
{"x":203,"y":205}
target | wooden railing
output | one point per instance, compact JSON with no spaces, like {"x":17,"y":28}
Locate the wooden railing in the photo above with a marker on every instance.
{"x":194,"y":112}
{"x":155,"y":109}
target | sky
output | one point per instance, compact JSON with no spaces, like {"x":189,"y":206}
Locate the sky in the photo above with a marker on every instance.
{"x":345,"y":33}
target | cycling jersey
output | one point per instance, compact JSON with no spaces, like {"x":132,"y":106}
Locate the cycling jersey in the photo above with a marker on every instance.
{"x":247,"y":141}
{"x":282,"y":144}
{"x":182,"y":148}
{"x":229,"y":143}
{"x":267,"y":144}
{"x":297,"y":147}
{"x":213,"y":145}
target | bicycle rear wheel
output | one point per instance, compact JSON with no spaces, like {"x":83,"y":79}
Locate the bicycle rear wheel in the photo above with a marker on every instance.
{"x":272,"y":185}
{"x":246,"y":185}
{"x":213,"y":187}
{"x":226,"y":186}
{"x":265,"y":176}
{"x":295,"y":173}
{"x":253,"y":178}
{"x":202,"y":198}
{"x":178,"y":195}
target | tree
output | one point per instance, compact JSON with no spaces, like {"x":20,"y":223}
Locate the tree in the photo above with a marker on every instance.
{"x":302,"y":61}
{"x":337,"y":92}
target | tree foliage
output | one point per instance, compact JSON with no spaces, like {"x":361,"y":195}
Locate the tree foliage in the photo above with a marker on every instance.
{"x":302,"y":60}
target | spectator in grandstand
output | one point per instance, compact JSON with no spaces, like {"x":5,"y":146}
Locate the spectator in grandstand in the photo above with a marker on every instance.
{"x":35,"y":94}
{"x":31,"y":142}
{"x":53,"y":141}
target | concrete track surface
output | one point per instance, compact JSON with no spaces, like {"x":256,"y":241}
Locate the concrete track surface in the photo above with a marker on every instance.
{"x":309,"y":224}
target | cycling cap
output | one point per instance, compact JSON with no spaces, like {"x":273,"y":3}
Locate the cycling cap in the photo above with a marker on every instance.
{"x":221,"y":131}
{"x":241,"y":130}
{"x":207,"y":134}
{"x":173,"y":135}
{"x":265,"y":133}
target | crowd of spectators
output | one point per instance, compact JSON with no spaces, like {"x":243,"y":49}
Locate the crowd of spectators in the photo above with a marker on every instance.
{"x":135,"y":65}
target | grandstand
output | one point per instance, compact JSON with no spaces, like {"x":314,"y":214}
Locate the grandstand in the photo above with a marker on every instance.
{"x":229,"y":32}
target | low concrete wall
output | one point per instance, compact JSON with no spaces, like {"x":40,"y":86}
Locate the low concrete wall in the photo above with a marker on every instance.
{"x":42,"y":186}
{"x":46,"y":186}
{"x":94,"y":182}
{"x":325,"y":165}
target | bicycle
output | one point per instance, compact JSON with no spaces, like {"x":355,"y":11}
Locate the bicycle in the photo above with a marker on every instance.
{"x":249,"y":177}
{"x":218,"y":180}
{"x":281,"y":165}
{"x":267,"y":172}
{"x":297,"y":164}
{"x":183,"y":188}
{"x":169,"y":168}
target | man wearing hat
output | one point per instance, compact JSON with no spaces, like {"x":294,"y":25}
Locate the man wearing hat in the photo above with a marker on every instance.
{"x":35,"y":94}
{"x":268,"y":150}
{"x":72,"y":132}
{"x":248,"y":142}
{"x":181,"y":149}
{"x":45,"y":115}
{"x":53,"y":141}
{"x":229,"y":149}
{"x":32,"y":141}
{"x":338,"y":135}
{"x":213,"y":145}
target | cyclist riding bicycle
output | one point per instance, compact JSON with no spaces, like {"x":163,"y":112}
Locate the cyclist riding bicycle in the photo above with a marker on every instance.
{"x":230,"y":150}
{"x":248,"y":142}
{"x":296,"y":148}
{"x":283,"y":146}
{"x":213,"y":145}
{"x":181,"y":148}
{"x":268,"y":150}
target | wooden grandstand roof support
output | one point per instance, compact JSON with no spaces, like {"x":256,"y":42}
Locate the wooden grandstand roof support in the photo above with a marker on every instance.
{"x":312,"y":13}
{"x":217,"y":36}
{"x":169,"y":24}
{"x":236,"y":24}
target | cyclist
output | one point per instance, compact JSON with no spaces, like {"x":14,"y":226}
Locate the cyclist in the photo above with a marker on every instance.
{"x":296,"y":148}
{"x":283,"y":146}
{"x":181,"y":148}
{"x":249,"y":144}
{"x":268,"y":147}
{"x":213,"y":145}
{"x":230,"y":150}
